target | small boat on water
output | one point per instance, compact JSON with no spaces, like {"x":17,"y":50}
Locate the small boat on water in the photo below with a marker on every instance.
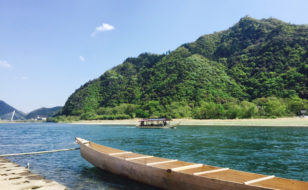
{"x":160,"y":123}
{"x":178,"y":175}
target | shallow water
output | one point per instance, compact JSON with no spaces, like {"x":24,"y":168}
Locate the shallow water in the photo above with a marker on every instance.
{"x":275,"y":151}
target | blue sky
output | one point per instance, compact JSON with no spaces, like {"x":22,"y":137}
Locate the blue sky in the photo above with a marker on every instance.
{"x":48,"y":49}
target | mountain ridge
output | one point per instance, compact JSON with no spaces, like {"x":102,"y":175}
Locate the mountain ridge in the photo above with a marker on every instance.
{"x":43,"y":112}
{"x":251,"y":64}
{"x":6,"y":112}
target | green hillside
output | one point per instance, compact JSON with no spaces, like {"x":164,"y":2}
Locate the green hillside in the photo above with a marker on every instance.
{"x":256,"y":68}
{"x":43,"y":112}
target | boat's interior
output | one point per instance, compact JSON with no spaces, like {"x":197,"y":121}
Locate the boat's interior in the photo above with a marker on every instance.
{"x":224,"y":174}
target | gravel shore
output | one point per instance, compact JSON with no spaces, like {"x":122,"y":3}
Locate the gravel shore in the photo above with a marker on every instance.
{"x":15,"y":177}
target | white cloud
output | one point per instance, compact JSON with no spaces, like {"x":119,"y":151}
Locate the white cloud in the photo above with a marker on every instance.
{"x":5,"y":64}
{"x":102,"y":28}
{"x":81,"y":58}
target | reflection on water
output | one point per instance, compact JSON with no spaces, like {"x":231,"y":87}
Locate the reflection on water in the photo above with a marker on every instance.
{"x":273,"y":151}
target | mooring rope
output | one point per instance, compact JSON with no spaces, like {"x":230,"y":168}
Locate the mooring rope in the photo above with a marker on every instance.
{"x":41,"y":152}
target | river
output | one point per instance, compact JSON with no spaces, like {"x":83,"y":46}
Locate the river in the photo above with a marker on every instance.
{"x":282,"y":152}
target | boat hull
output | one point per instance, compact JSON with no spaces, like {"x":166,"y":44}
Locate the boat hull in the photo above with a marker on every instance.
{"x":155,"y":176}
{"x":156,"y":127}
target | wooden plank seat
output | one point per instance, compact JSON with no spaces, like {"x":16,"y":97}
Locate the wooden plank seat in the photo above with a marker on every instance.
{"x":282,"y":183}
{"x":161,"y":162}
{"x":259,"y":179}
{"x":129,"y":155}
{"x":233,"y":176}
{"x":183,"y":168}
{"x":199,"y":169}
{"x":118,"y":153}
{"x":149,"y":161}
{"x":171,"y":165}
{"x":104,"y":149}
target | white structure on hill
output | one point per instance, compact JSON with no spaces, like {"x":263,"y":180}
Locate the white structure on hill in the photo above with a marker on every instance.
{"x":13,"y":115}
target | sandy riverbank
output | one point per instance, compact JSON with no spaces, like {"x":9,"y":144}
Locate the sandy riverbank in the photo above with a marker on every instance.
{"x":279,"y":122}
{"x":15,"y":177}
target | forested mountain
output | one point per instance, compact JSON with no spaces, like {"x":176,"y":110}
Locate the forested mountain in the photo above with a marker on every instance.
{"x":256,"y":68}
{"x":43,"y":112}
{"x":6,"y":112}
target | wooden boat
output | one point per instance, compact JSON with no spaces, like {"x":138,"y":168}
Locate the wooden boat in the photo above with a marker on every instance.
{"x":160,"y":123}
{"x":177,"y":175}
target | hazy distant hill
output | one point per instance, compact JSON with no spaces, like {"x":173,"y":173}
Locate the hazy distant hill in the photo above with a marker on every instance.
{"x":43,"y":112}
{"x":256,"y":68}
{"x":7,"y":110}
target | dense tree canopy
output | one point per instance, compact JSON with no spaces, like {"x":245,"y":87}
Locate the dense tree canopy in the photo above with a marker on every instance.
{"x":256,"y":68}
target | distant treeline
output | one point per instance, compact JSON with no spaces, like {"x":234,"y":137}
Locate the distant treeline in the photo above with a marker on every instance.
{"x":270,"y":107}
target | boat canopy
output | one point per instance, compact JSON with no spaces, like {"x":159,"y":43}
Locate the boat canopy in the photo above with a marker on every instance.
{"x":159,"y":119}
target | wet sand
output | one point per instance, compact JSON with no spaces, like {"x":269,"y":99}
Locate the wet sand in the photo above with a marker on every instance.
{"x":15,"y":177}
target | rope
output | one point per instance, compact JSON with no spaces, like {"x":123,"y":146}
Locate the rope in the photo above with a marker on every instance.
{"x":41,"y":152}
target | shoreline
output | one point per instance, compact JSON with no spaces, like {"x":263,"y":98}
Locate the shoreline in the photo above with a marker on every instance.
{"x":279,"y":122}
{"x":21,"y":121}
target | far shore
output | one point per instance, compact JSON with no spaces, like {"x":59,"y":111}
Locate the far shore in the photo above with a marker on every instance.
{"x":279,"y":122}
{"x":21,"y":121}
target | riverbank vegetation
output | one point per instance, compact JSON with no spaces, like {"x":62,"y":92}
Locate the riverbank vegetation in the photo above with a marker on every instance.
{"x":255,"y":69}
{"x":271,"y":107}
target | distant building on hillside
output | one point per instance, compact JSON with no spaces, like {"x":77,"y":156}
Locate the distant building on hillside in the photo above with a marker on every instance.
{"x":39,"y":118}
